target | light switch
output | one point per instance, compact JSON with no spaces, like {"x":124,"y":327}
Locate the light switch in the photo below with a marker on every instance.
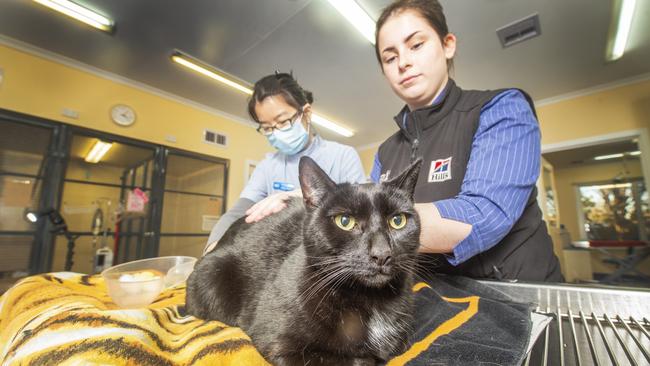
{"x":2,"y":76}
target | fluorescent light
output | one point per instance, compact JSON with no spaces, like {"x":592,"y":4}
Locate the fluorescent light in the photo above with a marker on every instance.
{"x":209,"y":71}
{"x":79,"y":13}
{"x":330,"y":125}
{"x":610,"y":186}
{"x":216,"y":74}
{"x":610,"y":156}
{"x":620,"y":155}
{"x":357,"y":16}
{"x":97,"y":152}
{"x":619,"y":29}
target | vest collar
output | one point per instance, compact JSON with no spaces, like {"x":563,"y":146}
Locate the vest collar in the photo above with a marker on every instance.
{"x":425,"y":117}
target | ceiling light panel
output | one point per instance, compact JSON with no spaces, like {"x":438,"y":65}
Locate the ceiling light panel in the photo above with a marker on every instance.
{"x":357,"y":17}
{"x":214,"y":73}
{"x":209,"y":71}
{"x":619,"y":29}
{"x":80,"y":13}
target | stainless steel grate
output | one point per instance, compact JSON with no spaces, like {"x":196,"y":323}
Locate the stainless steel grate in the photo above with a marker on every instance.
{"x":590,"y":326}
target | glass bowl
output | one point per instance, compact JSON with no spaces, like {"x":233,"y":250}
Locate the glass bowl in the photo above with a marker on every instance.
{"x":138,"y":283}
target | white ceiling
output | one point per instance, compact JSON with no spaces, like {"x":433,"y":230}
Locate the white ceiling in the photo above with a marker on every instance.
{"x":252,"y":38}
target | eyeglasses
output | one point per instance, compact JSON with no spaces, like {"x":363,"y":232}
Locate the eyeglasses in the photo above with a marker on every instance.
{"x":281,"y":126}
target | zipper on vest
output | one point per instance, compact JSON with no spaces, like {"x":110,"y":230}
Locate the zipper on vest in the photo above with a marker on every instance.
{"x":414,"y":149}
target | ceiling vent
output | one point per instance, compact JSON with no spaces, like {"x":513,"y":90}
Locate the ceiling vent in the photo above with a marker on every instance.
{"x":519,"y":31}
{"x":215,"y":138}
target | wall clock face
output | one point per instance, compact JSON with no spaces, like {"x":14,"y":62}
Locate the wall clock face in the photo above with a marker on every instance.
{"x":123,"y":115}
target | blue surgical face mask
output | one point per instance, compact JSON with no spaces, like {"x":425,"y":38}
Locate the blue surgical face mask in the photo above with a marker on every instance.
{"x":291,"y":141}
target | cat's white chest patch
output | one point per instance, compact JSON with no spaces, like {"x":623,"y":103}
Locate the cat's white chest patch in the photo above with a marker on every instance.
{"x":382,"y":330}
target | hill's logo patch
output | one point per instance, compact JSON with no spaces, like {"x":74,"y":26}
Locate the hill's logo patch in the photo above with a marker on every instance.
{"x":440,"y":170}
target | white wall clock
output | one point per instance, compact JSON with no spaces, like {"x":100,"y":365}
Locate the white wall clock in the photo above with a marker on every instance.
{"x":123,"y":115}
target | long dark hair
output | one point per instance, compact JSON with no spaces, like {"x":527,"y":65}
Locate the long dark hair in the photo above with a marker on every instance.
{"x":431,"y":10}
{"x":279,"y":84}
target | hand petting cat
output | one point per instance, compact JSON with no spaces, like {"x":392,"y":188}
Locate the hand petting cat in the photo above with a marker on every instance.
{"x":270,"y":205}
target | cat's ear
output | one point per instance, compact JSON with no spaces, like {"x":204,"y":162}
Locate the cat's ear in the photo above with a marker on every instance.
{"x":314,"y":182}
{"x":407,"y":179}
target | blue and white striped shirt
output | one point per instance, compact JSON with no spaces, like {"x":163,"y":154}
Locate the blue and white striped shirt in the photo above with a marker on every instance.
{"x":501,"y":173}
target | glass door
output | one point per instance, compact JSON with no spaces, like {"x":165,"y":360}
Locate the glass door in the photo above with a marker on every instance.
{"x":195,"y":187}
{"x":133,"y":229}
{"x":23,"y":151}
{"x":94,"y":202}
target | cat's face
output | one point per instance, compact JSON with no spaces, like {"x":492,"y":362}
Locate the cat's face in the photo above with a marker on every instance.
{"x":366,"y":234}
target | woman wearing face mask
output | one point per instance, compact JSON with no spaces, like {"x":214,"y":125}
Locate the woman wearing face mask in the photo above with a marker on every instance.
{"x":282,"y":108}
{"x":476,"y":194}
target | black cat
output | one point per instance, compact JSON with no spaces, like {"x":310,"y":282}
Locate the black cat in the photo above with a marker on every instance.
{"x":327,"y":282}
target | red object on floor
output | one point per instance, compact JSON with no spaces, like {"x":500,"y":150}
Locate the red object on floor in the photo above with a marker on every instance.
{"x":616,"y":243}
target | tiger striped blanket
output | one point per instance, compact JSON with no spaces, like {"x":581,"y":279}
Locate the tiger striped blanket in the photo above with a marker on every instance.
{"x":68,"y":319}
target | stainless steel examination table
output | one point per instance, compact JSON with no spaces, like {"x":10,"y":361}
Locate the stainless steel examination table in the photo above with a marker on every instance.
{"x":590,"y":325}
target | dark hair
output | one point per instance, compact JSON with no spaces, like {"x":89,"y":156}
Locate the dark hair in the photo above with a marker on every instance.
{"x":431,"y":10}
{"x":279,"y":84}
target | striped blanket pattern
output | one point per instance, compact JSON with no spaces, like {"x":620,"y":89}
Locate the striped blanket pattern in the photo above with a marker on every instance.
{"x":68,"y":318}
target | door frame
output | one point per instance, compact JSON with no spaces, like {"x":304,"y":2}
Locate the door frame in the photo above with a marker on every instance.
{"x":641,"y":134}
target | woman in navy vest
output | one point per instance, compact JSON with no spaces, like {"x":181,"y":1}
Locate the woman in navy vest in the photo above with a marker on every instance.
{"x":476,"y":194}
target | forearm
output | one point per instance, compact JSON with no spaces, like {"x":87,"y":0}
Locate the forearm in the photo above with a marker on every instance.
{"x":437,"y":234}
{"x":227,"y":219}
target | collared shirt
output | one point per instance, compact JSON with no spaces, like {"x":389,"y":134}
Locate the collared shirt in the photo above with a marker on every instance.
{"x":279,"y":172}
{"x":501,"y":173}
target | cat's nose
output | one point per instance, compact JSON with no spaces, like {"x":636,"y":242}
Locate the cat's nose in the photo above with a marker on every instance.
{"x":382,"y":259}
{"x":380,"y":252}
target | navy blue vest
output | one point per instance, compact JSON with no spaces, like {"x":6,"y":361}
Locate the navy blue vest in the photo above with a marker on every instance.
{"x":446,"y":129}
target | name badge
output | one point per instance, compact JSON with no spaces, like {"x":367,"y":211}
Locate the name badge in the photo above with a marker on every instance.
{"x":283,"y":186}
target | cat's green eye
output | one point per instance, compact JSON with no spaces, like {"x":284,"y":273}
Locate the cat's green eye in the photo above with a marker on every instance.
{"x":345,"y":222}
{"x":397,"y":221}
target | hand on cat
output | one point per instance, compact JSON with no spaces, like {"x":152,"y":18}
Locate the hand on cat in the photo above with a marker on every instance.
{"x":270,"y":205}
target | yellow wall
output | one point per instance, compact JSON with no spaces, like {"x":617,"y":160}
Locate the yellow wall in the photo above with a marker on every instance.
{"x":620,"y":109}
{"x":40,"y":87}
{"x":367,"y":158}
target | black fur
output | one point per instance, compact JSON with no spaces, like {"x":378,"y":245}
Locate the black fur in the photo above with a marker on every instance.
{"x":307,"y":291}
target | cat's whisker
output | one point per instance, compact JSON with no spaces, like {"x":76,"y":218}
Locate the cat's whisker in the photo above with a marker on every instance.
{"x":321,"y":262}
{"x":414,"y":268}
{"x":324,"y":282}
{"x":333,"y":288}
{"x":324,"y":270}
{"x":329,"y":274}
